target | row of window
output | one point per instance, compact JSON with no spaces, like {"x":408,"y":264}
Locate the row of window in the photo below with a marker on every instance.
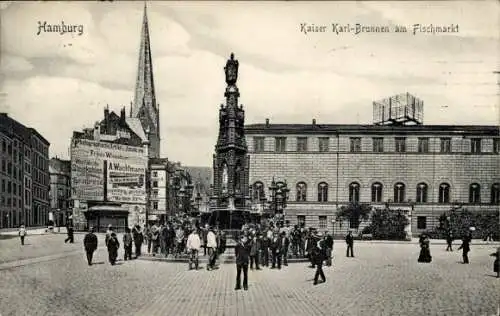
{"x":399,"y":192}
{"x":16,"y":173}
{"x":377,"y":144}
{"x":323,"y":223}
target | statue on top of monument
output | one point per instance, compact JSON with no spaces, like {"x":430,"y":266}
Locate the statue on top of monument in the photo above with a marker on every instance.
{"x":231,"y":70}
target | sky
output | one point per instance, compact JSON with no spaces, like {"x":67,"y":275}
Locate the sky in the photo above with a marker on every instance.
{"x":59,"y":83}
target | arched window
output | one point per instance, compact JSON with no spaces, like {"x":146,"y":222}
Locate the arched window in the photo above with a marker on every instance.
{"x":421,"y":193}
{"x":377,"y":192}
{"x":258,"y":191}
{"x":301,"y":192}
{"x":322,"y":192}
{"x":444,"y":193}
{"x":354,"y":192}
{"x":399,"y":192}
{"x":495,"y":193}
{"x":474,"y":193}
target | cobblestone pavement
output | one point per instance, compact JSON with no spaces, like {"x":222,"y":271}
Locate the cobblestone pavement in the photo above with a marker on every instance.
{"x":383,"y":279}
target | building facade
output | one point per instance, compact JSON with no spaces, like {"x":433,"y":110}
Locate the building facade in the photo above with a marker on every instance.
{"x":426,"y":168}
{"x":109,"y":164}
{"x":60,"y":190}
{"x":24,"y":155}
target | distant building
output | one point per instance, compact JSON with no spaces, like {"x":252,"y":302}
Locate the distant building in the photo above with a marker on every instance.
{"x":60,"y":190}
{"x":24,"y":175}
{"x":397,"y":162}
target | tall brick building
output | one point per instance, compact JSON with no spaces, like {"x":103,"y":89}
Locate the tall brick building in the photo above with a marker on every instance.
{"x":24,"y":173}
{"x":427,"y":169}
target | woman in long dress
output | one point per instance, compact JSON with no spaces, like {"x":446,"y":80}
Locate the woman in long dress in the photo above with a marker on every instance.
{"x":496,"y":263}
{"x":425,"y":252}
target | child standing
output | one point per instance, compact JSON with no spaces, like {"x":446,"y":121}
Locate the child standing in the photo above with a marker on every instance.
{"x":22,"y":234}
{"x":127,"y":244}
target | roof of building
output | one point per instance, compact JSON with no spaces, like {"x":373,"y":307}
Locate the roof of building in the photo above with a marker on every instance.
{"x":12,"y":126}
{"x":136,"y":126}
{"x":59,"y":166}
{"x":358,"y":128}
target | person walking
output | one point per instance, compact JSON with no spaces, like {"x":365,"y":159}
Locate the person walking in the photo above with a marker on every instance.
{"x":496,"y":263}
{"x":276,"y":245}
{"x":349,"y":239}
{"x":155,"y":237}
{"x":466,"y":247}
{"x":138,"y":240}
{"x":242,"y":251}
{"x":193,"y":246}
{"x":255,"y":246}
{"x":71,"y":236}
{"x":318,"y":256}
{"x":113,"y":245}
{"x":127,"y":245}
{"x":22,"y":234}
{"x":329,"y":248}
{"x":449,"y":241}
{"x":90,"y":245}
{"x":285,"y":244}
{"x":148,"y":236}
{"x":425,"y":253}
{"x":212,"y":249}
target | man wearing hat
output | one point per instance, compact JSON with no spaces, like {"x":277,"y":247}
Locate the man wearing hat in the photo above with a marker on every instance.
{"x":242,"y":251}
{"x":212,"y":248}
{"x":318,"y":256}
{"x":90,"y":245}
{"x":349,"y":239}
{"x":466,"y":245}
{"x":108,"y":233}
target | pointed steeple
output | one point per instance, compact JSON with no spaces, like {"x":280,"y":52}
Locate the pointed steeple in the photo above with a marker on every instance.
{"x":144,"y":107}
{"x":144,"y":86}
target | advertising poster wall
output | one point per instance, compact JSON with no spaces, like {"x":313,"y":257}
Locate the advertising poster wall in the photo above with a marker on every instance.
{"x":122,"y":167}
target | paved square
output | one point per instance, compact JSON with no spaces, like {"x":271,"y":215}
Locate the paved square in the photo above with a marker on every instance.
{"x":383,"y":279}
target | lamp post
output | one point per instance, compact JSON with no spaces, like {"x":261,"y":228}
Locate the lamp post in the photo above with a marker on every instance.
{"x":333,"y":228}
{"x":279,"y":197}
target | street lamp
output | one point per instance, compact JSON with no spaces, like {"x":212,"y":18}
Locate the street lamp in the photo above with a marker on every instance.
{"x":279,"y":197}
{"x":333,"y":227}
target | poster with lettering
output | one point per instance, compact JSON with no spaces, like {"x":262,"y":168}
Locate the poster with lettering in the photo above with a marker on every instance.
{"x":115,"y":170}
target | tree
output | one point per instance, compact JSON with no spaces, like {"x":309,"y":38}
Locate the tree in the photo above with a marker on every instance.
{"x":389,"y":224}
{"x":458,"y":222}
{"x":355,"y":212}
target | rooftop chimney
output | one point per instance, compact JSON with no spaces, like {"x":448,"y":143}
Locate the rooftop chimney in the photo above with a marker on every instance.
{"x":267,"y":122}
{"x":314,"y":122}
{"x":122,"y":115}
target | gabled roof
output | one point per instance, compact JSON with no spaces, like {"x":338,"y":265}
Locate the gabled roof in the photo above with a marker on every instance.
{"x":135,"y":125}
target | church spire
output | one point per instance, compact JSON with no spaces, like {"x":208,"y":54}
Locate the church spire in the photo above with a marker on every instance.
{"x":144,"y":86}
{"x":144,"y":107}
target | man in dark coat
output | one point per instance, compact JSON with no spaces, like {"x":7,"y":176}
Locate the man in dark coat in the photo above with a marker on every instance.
{"x":276,"y":246}
{"x":138,"y":239}
{"x":285,"y":244}
{"x":242,"y":251}
{"x":255,"y":251}
{"x":466,"y":247}
{"x":318,"y":256}
{"x":71,"y":236}
{"x":329,"y":248}
{"x":265,"y":244}
{"x":349,"y":239}
{"x":90,"y":245}
{"x":449,"y":241}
